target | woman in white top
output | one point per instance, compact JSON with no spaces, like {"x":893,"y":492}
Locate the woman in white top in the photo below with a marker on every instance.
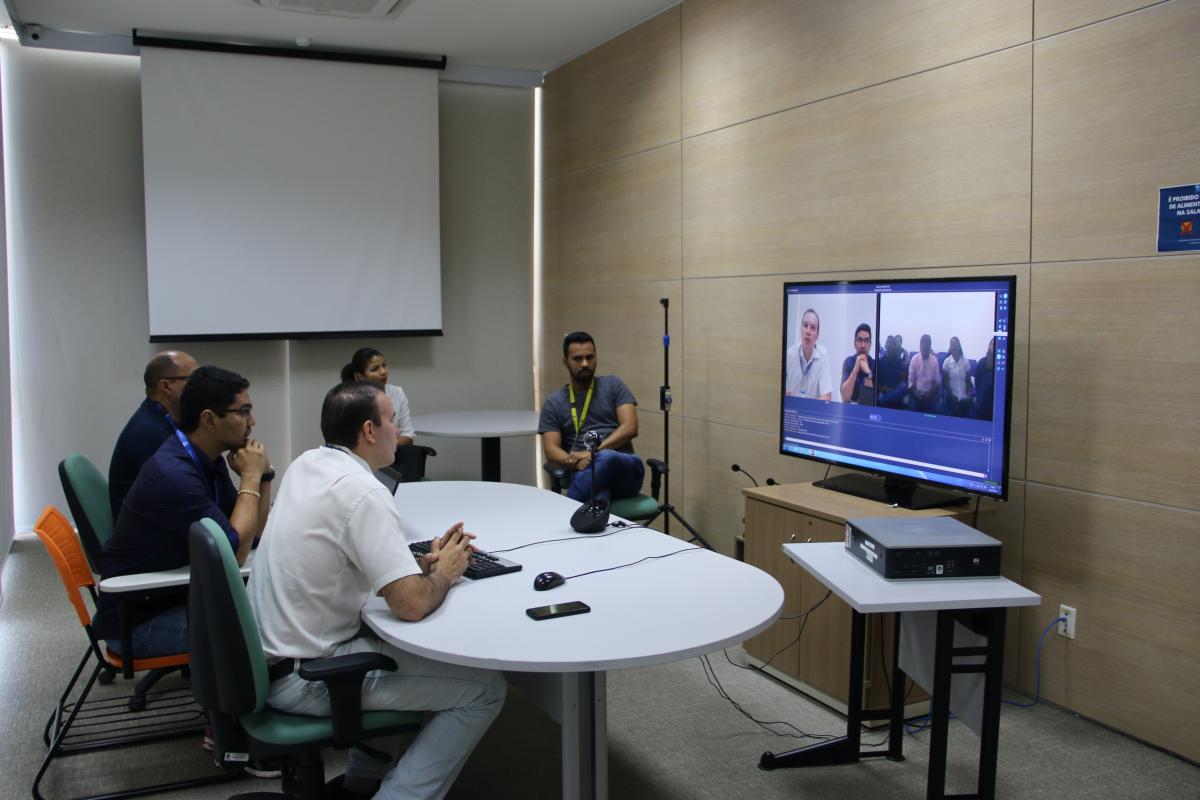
{"x":367,"y":364}
{"x":956,"y":377}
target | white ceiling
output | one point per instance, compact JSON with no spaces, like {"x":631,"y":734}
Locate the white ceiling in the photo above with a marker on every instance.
{"x":536,"y":35}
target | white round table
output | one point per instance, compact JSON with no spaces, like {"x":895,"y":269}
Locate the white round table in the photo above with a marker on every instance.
{"x":488,"y":426}
{"x":661,"y":610}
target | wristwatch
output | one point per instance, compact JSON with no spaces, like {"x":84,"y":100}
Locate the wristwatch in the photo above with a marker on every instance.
{"x":269,"y":475}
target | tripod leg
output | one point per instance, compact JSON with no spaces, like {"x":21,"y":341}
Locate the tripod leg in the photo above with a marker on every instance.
{"x":696,"y":537}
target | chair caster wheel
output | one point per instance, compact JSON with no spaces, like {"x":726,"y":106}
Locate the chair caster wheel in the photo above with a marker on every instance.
{"x":107,"y":677}
{"x":137,"y":703}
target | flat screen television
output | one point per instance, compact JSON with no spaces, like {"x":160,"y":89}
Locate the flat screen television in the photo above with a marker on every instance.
{"x":908,"y":381}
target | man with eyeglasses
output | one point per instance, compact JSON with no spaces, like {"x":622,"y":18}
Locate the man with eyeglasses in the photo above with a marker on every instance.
{"x":858,"y":370}
{"x":151,"y":424}
{"x":185,"y":480}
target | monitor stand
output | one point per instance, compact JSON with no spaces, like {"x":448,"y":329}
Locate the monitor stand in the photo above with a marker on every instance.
{"x":902,"y":492}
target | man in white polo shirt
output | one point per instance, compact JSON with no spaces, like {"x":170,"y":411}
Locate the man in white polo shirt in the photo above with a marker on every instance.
{"x":334,"y":539}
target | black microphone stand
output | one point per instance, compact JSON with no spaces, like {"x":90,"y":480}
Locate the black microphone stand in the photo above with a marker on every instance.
{"x":665,"y":509}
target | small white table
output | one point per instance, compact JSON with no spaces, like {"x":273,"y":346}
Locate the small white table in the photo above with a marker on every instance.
{"x":488,"y":426}
{"x":655,"y":612}
{"x":867,"y":593}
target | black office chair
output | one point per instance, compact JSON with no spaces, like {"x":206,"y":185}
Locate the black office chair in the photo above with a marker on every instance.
{"x":638,"y":508}
{"x":229,"y":679}
{"x":410,"y":461}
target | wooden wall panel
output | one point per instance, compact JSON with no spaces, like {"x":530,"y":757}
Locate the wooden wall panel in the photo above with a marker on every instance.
{"x":924,"y":171}
{"x":1129,"y":569}
{"x":621,"y":98}
{"x":1054,"y":16}
{"x":626,"y":321}
{"x":615,"y":222}
{"x":1115,"y":377}
{"x":733,"y":364}
{"x":1115,"y":118}
{"x":746,"y":58}
{"x":712,"y":499}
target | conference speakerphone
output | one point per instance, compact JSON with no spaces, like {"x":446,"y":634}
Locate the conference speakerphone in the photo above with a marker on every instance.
{"x":929,"y":547}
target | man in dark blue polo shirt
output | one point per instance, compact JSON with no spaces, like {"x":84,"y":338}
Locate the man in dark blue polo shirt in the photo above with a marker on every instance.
{"x":184,"y":481}
{"x":151,"y":424}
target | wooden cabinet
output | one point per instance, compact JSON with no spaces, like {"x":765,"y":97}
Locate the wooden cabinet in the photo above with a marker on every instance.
{"x":818,"y":663}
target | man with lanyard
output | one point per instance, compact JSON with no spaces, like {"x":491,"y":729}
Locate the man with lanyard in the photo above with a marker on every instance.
{"x":592,"y":403}
{"x":184,"y":481}
{"x":808,"y":373}
{"x":151,"y":424}
{"x":335,"y":540}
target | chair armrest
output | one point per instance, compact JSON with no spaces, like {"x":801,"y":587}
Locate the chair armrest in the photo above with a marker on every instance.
{"x":427,"y":450}
{"x":657,"y":470}
{"x":343,"y":676}
{"x":560,"y":477}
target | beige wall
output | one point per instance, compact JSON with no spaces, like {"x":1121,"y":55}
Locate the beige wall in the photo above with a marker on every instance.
{"x":726,"y":146}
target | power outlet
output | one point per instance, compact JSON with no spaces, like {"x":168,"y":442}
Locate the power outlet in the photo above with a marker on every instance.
{"x":1067,"y":626}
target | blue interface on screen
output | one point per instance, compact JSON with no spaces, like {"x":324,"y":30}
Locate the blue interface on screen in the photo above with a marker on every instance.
{"x":905,"y":378}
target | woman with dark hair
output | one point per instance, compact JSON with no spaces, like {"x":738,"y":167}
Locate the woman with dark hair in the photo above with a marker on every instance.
{"x":368,"y":364}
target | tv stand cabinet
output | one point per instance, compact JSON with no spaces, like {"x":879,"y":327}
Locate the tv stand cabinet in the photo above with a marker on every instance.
{"x":800,"y":512}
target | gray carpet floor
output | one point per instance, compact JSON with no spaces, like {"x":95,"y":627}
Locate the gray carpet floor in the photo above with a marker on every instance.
{"x":670,"y":734}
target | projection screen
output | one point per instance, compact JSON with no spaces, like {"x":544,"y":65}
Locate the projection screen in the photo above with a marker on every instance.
{"x":289,"y":198}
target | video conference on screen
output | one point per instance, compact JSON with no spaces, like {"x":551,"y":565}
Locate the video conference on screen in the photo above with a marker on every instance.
{"x":907,"y":379}
{"x":887,"y":329}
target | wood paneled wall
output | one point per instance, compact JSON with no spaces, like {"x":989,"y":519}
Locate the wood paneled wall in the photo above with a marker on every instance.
{"x":726,"y":146}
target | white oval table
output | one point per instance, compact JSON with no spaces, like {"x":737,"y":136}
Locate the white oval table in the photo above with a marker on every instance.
{"x":654,"y":612}
{"x":487,"y":426}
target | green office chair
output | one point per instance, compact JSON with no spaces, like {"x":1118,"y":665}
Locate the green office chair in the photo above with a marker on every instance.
{"x":638,"y":508}
{"x":87,"y":497}
{"x":229,"y":679}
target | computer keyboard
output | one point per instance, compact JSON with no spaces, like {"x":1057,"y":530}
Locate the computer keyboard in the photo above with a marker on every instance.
{"x":481,"y":565}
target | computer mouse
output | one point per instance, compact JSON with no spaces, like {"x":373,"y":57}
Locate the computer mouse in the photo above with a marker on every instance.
{"x":548,"y":580}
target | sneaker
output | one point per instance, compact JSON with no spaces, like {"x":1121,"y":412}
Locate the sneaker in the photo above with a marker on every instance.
{"x":263,"y":768}
{"x":207,"y":741}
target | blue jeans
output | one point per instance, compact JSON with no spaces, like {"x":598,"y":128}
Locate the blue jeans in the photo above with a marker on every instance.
{"x":465,"y":700}
{"x":618,"y":475}
{"x":164,"y":634}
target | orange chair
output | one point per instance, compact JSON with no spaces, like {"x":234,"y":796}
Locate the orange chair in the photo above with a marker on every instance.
{"x":106,"y":723}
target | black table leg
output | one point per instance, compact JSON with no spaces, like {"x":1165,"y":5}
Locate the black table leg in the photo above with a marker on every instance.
{"x":989,"y":745}
{"x":844,"y":749}
{"x":896,"y":723}
{"x":939,"y":709}
{"x":490,"y":462}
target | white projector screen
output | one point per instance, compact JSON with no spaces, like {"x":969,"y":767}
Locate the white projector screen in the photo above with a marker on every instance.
{"x":289,"y":198}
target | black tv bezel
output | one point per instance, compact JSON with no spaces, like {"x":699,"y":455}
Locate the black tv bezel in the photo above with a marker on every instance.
{"x":888,"y":477}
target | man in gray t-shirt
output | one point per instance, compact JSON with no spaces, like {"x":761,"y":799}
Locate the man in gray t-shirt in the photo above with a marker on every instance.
{"x":592,"y":403}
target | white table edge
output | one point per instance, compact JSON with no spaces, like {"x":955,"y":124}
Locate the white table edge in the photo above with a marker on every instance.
{"x":377,"y":606}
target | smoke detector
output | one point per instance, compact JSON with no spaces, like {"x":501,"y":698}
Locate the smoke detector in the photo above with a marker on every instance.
{"x":351,"y":9}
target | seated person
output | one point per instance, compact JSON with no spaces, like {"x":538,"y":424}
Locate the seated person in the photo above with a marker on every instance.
{"x":893,"y":376}
{"x":368,"y":364}
{"x":184,"y":481}
{"x":925,"y":377}
{"x":151,"y":424}
{"x":858,"y":370}
{"x":592,"y":403}
{"x":807,"y":370}
{"x":985,"y":378}
{"x":956,"y":372}
{"x":334,"y":540}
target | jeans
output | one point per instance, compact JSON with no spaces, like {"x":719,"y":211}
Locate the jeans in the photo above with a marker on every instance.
{"x":465,"y":700}
{"x":618,"y":475}
{"x":164,"y":634}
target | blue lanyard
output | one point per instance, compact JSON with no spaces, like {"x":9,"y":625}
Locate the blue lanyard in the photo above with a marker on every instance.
{"x":191,"y":451}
